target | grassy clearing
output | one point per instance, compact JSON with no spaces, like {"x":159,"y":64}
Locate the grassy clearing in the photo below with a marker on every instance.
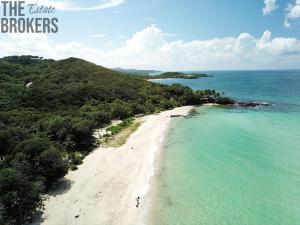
{"x":118,"y":139}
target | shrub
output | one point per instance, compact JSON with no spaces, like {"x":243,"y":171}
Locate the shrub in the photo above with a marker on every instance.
{"x":53,"y":167}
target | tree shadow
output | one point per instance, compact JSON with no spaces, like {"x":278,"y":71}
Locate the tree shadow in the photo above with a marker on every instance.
{"x":37,"y":218}
{"x":62,"y":187}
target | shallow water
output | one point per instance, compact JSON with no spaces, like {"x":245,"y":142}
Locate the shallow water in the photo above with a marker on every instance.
{"x":225,"y":166}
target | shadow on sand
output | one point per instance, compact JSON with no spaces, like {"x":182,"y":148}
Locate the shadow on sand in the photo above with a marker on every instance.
{"x":62,"y":187}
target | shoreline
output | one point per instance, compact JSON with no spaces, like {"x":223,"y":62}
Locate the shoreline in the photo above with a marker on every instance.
{"x":112,"y":184}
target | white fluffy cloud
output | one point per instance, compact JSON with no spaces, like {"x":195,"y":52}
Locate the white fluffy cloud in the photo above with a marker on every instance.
{"x":293,"y":12}
{"x":149,"y":49}
{"x":270,"y":6}
{"x":76,"y":5}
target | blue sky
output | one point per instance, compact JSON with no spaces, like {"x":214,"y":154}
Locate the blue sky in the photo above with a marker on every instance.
{"x":168,"y":34}
{"x":184,"y":20}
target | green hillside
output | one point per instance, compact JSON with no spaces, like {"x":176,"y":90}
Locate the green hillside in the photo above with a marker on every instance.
{"x":48,"y":112}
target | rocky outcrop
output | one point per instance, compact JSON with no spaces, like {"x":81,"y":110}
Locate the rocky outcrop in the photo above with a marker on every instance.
{"x":230,"y":102}
{"x":251,"y":104}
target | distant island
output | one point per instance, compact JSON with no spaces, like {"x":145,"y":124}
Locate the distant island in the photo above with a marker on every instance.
{"x":177,"y":75}
{"x":154,"y":74}
{"x":136,"y":72}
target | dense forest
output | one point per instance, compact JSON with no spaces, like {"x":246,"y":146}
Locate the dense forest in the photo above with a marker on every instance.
{"x":48,"y":112}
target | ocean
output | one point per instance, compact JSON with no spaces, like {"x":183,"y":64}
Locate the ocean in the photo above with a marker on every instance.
{"x":234,"y":166}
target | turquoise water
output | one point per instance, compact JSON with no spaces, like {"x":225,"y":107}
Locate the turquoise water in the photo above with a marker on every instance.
{"x":225,"y":166}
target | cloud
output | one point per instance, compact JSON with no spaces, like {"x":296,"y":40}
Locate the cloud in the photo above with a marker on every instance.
{"x":36,"y":44}
{"x":148,"y":49}
{"x":287,"y":23}
{"x":122,"y":37}
{"x":76,"y":5}
{"x":270,"y":6}
{"x":293,"y":12}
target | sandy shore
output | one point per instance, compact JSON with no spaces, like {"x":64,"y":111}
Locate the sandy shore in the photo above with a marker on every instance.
{"x":105,"y":188}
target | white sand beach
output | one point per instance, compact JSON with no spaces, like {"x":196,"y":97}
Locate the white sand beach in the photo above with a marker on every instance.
{"x":105,"y":188}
